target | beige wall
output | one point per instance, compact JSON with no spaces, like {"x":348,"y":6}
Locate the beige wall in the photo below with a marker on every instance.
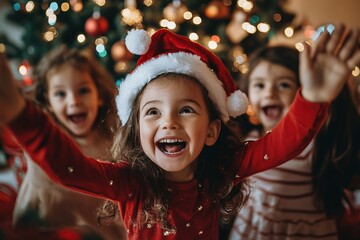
{"x":319,"y":12}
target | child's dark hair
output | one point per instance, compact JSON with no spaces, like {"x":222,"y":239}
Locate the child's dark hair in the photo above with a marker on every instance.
{"x":82,"y":60}
{"x":336,"y":159}
{"x":212,"y":166}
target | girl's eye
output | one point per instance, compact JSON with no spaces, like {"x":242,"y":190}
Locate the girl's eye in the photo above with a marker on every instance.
{"x":258,"y":85}
{"x":187,"y":110}
{"x":59,"y":94}
{"x":285,"y":85}
{"x":153,"y":111}
{"x":84,"y":90}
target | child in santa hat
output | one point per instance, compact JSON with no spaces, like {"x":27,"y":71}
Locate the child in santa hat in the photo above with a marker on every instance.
{"x":181,"y":166}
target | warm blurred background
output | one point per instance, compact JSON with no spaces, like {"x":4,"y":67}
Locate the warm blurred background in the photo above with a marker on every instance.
{"x":230,"y":28}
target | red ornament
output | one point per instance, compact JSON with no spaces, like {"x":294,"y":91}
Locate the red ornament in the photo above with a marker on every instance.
{"x":96,"y":26}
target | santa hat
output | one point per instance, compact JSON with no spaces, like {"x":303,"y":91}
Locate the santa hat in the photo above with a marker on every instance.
{"x":167,"y":52}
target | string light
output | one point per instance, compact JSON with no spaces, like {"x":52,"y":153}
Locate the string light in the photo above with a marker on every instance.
{"x":193,"y":36}
{"x":101,"y":40}
{"x":65,"y":7}
{"x":100,"y":3}
{"x":197,"y":20}
{"x":81,"y":38}
{"x":299,"y":46}
{"x":187,"y":15}
{"x":148,"y":3}
{"x":164,"y":22}
{"x":212,"y":44}
{"x":263,"y":27}
{"x":76,"y":5}
{"x":289,"y":32}
{"x":54,"y":6}
{"x":171,"y":25}
{"x":24,"y":70}
{"x":215,"y":38}
{"x":29,"y":7}
{"x":17,"y":7}
{"x":248,"y":27}
{"x":52,"y":20}
{"x":245,"y":5}
{"x":48,"y":36}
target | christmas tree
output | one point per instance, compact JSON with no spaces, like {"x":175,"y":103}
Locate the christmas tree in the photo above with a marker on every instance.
{"x":231,"y":29}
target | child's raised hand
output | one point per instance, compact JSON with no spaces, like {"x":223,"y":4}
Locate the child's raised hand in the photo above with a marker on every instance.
{"x":11,"y":101}
{"x":326,"y":66}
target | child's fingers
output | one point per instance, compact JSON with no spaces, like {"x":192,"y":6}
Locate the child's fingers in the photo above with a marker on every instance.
{"x":354,"y":60}
{"x":320,"y":43}
{"x":350,"y":45}
{"x":336,"y":39}
{"x":305,"y":55}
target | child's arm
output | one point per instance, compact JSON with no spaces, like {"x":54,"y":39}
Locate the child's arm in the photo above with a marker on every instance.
{"x":61,"y":159}
{"x":11,"y":101}
{"x":324,"y":71}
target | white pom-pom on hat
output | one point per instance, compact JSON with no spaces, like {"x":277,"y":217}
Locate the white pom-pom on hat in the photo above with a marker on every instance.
{"x":237,"y":103}
{"x":137,"y":41}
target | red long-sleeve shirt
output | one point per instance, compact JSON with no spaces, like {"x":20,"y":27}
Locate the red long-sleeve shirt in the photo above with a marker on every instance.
{"x":192,"y":210}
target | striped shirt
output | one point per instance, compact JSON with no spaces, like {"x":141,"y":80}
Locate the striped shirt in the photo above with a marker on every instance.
{"x":281,"y":205}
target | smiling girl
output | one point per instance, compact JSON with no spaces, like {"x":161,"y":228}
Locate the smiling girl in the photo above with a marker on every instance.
{"x":78,"y":93}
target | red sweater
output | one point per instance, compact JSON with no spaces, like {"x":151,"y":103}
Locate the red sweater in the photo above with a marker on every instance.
{"x":194,"y":213}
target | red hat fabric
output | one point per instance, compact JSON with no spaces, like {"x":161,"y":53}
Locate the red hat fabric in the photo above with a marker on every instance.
{"x":168,"y":52}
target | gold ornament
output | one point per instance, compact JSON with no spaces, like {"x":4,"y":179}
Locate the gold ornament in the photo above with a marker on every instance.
{"x":131,"y":16}
{"x":119,"y":52}
{"x":217,"y":10}
{"x":234,"y":29}
{"x":121,"y":67}
{"x":76,"y":5}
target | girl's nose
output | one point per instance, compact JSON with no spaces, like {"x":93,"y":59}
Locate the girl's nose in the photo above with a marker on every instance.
{"x":73,"y":99}
{"x":170,"y":122}
{"x":270,"y":91}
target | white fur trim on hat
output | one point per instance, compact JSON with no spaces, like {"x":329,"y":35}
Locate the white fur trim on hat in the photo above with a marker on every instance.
{"x":179,"y":62}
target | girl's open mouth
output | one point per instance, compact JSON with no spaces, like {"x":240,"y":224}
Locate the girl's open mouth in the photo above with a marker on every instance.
{"x":171,"y":146}
{"x":273,"y":111}
{"x":77,"y":118}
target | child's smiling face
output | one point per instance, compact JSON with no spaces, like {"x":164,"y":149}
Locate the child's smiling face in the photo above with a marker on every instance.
{"x":74,"y":99}
{"x":272,"y":88}
{"x":175,"y":125}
